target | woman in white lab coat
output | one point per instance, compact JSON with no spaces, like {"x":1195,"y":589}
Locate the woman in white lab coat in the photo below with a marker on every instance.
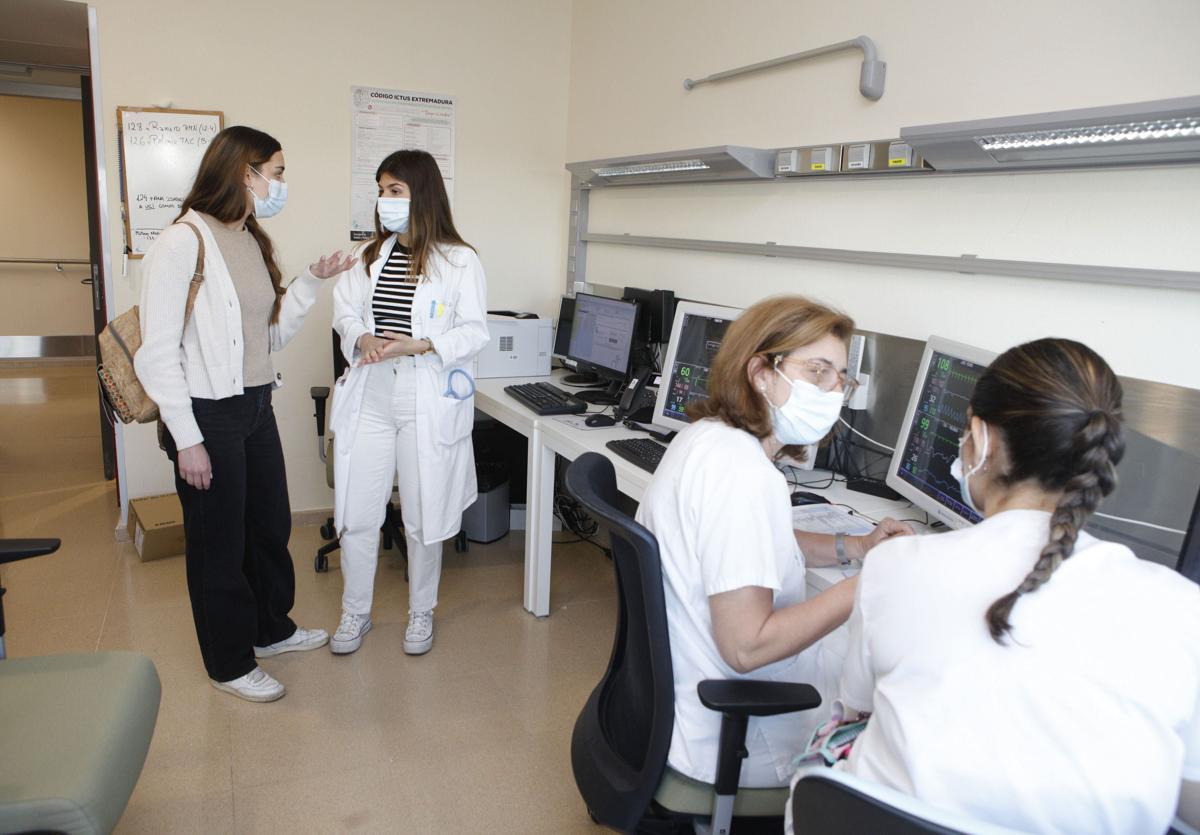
{"x":733,"y":567}
{"x":411,"y":316}
{"x":1022,"y":672}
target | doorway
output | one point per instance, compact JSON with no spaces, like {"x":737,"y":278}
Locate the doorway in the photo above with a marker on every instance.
{"x":53,"y":255}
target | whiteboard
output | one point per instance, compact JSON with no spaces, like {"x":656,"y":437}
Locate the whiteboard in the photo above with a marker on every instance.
{"x":160,"y":154}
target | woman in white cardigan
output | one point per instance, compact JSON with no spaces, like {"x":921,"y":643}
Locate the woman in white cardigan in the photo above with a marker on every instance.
{"x":212,"y":380}
{"x":411,"y":316}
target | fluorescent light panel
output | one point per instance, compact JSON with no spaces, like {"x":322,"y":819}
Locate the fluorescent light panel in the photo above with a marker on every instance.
{"x":1151,"y":131}
{"x":635,"y":169}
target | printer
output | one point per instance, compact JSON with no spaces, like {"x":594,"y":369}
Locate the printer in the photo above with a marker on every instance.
{"x":518,"y":347}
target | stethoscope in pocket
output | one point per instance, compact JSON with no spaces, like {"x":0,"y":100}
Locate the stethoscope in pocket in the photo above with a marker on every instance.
{"x":462,"y":390}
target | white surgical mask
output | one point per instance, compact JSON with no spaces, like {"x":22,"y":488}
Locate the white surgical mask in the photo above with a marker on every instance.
{"x":273,"y":203}
{"x":964,"y":478}
{"x":807,"y":415}
{"x":393,"y":213}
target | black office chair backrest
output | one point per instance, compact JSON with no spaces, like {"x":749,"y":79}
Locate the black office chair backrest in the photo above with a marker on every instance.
{"x":822,"y":806}
{"x":619,"y":747}
{"x":339,"y":359}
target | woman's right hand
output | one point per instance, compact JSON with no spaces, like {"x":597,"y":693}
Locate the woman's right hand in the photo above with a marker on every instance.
{"x":195,"y":467}
{"x":368,"y":344}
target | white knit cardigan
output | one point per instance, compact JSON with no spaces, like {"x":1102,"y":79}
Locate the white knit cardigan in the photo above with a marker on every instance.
{"x":205,"y":359}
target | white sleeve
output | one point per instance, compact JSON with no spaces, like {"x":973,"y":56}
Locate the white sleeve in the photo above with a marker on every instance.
{"x":297,"y":301}
{"x":468,"y":333}
{"x":739,"y":540}
{"x":857,"y":689}
{"x":348,"y":303}
{"x":1191,"y":731}
{"x":1191,"y":748}
{"x":166,"y":277}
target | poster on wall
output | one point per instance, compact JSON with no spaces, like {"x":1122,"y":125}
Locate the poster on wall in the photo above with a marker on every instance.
{"x":160,"y":151}
{"x":391,"y":120}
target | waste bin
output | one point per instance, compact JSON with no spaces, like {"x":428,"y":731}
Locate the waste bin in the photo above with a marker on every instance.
{"x":486,"y":520}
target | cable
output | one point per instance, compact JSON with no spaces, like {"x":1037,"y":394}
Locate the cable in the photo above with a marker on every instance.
{"x":1143,"y":524}
{"x":867,"y":437}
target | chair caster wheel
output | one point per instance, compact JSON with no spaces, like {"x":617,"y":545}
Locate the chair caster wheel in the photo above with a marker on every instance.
{"x":327,"y":531}
{"x":321,"y":564}
{"x":460,"y":542}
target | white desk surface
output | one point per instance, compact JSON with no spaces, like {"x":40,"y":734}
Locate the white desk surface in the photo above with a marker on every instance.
{"x":632,"y":480}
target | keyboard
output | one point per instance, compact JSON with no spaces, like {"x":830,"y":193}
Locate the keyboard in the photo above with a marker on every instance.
{"x":545,"y":399}
{"x":641,"y":451}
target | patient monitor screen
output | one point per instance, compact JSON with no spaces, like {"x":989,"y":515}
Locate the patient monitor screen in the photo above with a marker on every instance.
{"x":939,"y":420}
{"x":699,"y":338}
{"x":602,"y":332}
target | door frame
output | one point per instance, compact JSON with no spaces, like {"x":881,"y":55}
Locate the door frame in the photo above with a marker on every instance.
{"x":105,"y":253}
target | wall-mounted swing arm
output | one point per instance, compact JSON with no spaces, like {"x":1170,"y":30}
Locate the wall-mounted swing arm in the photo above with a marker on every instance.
{"x":870,"y":78}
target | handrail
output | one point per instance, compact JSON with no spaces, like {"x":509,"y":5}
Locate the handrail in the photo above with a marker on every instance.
{"x":870,"y":78}
{"x":57,"y":262}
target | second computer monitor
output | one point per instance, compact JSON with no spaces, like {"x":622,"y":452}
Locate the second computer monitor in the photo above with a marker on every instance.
{"x":602,"y":335}
{"x":696,"y":334}
{"x":933,"y":424}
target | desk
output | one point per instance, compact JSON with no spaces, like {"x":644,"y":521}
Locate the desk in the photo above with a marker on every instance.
{"x":548,"y":437}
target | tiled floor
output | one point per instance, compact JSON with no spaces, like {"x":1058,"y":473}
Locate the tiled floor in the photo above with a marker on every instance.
{"x":473,"y":737}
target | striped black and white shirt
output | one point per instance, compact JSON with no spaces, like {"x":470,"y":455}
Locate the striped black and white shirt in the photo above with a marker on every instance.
{"x":393,"y":299}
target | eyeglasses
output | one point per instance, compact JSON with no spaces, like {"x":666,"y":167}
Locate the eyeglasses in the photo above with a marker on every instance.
{"x":822,"y":374}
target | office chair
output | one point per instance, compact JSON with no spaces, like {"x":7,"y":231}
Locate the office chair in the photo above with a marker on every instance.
{"x":622,"y":736}
{"x":827,"y":801}
{"x":74,"y":730}
{"x":392,"y":529}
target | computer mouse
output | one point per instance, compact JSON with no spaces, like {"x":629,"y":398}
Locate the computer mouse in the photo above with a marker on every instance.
{"x":600,"y":420}
{"x":804,"y":497}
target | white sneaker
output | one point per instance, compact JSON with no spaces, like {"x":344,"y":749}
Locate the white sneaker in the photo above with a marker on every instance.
{"x":418,"y":637}
{"x":349,"y":634}
{"x":254,"y":686}
{"x":301,"y":640}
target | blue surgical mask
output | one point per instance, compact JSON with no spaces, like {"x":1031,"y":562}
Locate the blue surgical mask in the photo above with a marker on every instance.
{"x":807,"y":415}
{"x":273,"y":203}
{"x":393,"y":213}
{"x":964,"y":478}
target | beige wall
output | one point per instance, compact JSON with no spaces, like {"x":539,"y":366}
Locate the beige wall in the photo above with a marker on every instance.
{"x":949,"y":61}
{"x":287,"y":68}
{"x":43,"y":214}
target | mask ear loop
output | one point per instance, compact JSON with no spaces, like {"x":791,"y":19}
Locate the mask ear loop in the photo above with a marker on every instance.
{"x":982,"y":458}
{"x":450,"y":392}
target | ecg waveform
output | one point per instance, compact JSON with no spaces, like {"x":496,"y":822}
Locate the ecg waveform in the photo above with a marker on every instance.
{"x":938,"y":422}
{"x":699,"y":340}
{"x":688,"y":382}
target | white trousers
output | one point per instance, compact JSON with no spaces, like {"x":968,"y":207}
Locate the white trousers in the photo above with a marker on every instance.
{"x":385,"y":452}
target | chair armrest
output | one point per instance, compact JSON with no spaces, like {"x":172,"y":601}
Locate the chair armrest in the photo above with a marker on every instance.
{"x":319,"y":395}
{"x":12,"y":550}
{"x":743,"y":697}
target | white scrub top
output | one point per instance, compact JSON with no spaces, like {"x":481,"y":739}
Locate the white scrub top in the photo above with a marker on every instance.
{"x":721,"y":513}
{"x":1085,"y":722}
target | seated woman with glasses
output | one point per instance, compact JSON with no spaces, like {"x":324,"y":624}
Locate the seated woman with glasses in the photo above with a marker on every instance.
{"x":733,"y":567}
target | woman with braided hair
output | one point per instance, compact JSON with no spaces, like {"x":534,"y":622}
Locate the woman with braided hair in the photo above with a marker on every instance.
{"x":1023,"y":672}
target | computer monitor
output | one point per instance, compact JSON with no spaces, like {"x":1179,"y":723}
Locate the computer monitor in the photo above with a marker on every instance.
{"x":602,"y":335}
{"x":1189,"y":555}
{"x":562,"y":332}
{"x":696,"y":334}
{"x":933,"y":424}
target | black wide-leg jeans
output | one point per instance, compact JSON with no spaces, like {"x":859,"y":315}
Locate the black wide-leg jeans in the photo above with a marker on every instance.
{"x":239,"y":572}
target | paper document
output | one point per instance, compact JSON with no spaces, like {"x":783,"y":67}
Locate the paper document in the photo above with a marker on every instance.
{"x":828,"y":518}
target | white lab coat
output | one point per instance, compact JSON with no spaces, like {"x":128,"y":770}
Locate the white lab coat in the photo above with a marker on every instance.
{"x":450,"y":309}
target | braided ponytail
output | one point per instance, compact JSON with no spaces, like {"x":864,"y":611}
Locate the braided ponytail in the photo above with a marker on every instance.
{"x":1059,"y":407}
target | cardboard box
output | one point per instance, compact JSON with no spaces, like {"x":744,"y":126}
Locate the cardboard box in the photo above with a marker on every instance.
{"x":157,"y":526}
